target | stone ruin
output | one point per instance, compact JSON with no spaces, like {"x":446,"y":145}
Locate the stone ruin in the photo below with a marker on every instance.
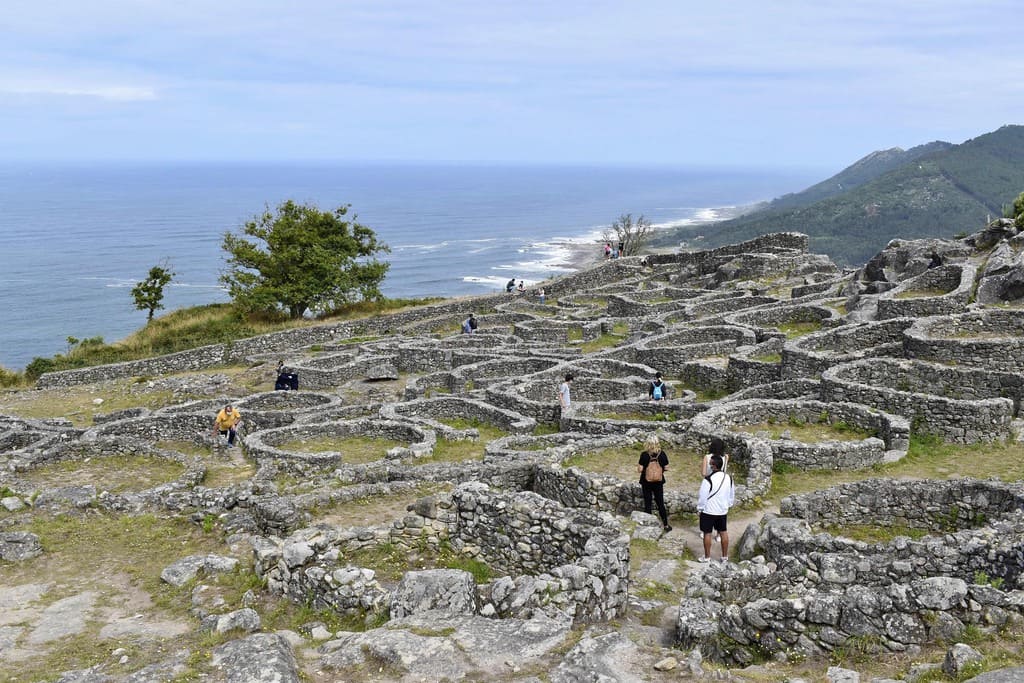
{"x":901,"y":346}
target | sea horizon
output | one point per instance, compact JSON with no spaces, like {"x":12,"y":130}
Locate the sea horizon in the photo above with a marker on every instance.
{"x":76,"y":236}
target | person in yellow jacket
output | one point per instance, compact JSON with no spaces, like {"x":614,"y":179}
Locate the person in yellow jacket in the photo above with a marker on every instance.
{"x":226,"y":423}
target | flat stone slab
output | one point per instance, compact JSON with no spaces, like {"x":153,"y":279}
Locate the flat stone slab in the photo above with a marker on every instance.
{"x":611,"y":657}
{"x":461,"y":644}
{"x":63,"y":618}
{"x":1014,"y":675}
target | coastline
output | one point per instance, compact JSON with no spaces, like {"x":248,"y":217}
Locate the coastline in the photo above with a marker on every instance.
{"x":584,"y":252}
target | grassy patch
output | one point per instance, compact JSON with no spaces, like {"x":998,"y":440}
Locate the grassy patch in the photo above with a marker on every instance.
{"x":605,"y":341}
{"x":927,"y":458}
{"x":646,"y":417}
{"x":807,"y":432}
{"x":116,"y":474}
{"x":792,"y":330}
{"x":222,"y":468}
{"x":374,"y":510}
{"x":458,"y":451}
{"x":189,"y":328}
{"x":574,"y":334}
{"x":920,"y":293}
{"x":874,"y":534}
{"x":768,"y":358}
{"x":355,"y":450}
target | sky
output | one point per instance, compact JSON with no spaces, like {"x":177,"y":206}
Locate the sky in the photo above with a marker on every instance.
{"x":803,"y":83}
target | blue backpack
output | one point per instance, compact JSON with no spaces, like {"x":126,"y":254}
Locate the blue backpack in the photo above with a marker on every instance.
{"x":657,"y":393}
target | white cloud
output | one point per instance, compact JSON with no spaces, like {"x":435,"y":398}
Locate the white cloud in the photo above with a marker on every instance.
{"x":117,"y":93}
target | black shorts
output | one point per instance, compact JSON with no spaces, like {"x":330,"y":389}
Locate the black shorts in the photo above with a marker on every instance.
{"x":709,"y":522}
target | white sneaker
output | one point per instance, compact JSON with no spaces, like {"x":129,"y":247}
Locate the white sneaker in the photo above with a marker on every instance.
{"x":725,"y":560}
{"x":704,"y":559}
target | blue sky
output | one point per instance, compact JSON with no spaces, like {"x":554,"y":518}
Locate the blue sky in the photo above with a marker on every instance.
{"x":802,"y":83}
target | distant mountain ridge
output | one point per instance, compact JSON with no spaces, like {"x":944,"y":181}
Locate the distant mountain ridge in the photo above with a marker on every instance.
{"x":933,"y":190}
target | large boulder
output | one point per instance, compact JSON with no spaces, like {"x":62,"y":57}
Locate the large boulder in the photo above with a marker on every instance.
{"x":259,"y":658}
{"x":16,"y":546}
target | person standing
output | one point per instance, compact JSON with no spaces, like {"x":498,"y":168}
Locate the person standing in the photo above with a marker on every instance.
{"x":651,"y":468}
{"x":717,"y":447}
{"x":717,"y":495}
{"x":469,"y":325}
{"x":564,"y":397}
{"x":657,"y":390}
{"x":510,"y":285}
{"x":226,"y":424}
{"x":540,"y":296}
{"x":607,"y":250}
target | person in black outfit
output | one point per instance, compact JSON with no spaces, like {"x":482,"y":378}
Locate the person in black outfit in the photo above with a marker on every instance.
{"x":653,"y":489}
{"x":657,"y":390}
{"x":510,"y":286}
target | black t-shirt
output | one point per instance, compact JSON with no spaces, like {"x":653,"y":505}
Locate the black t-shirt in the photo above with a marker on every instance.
{"x":645,"y":458}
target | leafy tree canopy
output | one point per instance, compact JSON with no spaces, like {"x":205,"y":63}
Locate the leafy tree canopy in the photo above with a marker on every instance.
{"x":149,"y":293}
{"x":302,"y":259}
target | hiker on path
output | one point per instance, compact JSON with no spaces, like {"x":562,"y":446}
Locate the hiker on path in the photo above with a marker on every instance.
{"x":717,"y":495}
{"x":226,"y":424}
{"x":564,"y":391}
{"x":657,"y":390}
{"x":651,"y":468}
{"x":469,"y":325}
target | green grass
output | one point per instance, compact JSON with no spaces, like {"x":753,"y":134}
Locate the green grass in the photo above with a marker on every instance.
{"x":807,"y":432}
{"x":116,"y":474}
{"x":921,"y":293}
{"x":77,"y":402}
{"x":458,"y":451}
{"x":927,"y":458}
{"x":189,"y":328}
{"x":792,"y":330}
{"x":874,"y":534}
{"x":646,"y":417}
{"x":354,"y":450}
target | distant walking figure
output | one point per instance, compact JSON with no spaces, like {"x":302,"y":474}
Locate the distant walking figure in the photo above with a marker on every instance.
{"x":540,"y":296}
{"x":564,"y":390}
{"x":510,"y":285}
{"x":607,"y":250}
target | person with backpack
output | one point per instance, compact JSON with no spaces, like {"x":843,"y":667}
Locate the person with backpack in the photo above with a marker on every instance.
{"x":469,"y":325}
{"x":651,"y":468}
{"x":717,"y":495}
{"x":510,"y":285}
{"x":657,"y":390}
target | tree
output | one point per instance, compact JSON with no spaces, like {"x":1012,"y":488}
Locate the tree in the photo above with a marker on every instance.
{"x":150,"y":292}
{"x":632,"y":236}
{"x":303,"y":259}
{"x":1016,"y":211}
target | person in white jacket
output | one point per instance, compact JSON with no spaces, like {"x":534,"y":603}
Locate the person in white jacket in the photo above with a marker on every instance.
{"x":717,"y":495}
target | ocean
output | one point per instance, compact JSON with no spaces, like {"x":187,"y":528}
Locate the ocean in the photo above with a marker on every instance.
{"x":74,"y":239}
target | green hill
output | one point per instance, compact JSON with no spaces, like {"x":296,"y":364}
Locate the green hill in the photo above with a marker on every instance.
{"x":935,"y":190}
